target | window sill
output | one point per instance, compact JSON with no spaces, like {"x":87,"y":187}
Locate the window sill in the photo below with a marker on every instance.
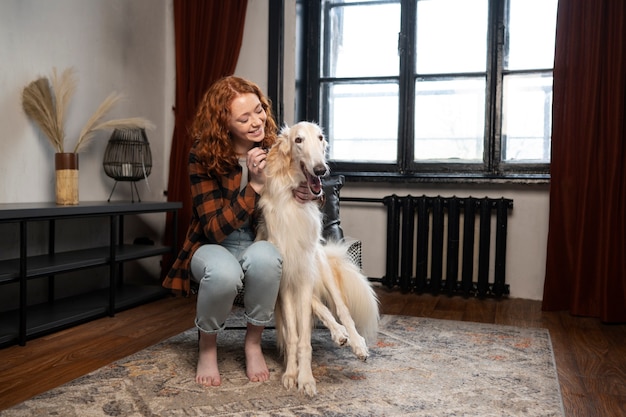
{"x":374,"y":177}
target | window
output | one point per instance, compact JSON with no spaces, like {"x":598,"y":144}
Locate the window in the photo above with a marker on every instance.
{"x":430,"y":88}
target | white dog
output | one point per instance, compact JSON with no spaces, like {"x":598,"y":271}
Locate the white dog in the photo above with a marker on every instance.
{"x":317,"y":279}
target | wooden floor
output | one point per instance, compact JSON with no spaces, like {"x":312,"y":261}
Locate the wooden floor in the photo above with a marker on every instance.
{"x":590,"y":356}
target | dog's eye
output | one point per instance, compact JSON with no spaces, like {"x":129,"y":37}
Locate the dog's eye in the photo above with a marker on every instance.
{"x":321,"y":138}
{"x":299,"y":139}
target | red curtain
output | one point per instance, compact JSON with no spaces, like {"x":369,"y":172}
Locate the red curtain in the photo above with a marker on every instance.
{"x":208,"y":35}
{"x":586,"y":253}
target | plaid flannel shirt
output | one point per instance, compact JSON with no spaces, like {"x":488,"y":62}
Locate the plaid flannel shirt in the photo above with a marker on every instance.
{"x":219,"y":208}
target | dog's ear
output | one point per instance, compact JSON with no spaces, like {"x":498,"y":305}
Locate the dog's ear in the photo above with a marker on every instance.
{"x":279,"y":155}
{"x":282,"y":141}
{"x":284,"y":131}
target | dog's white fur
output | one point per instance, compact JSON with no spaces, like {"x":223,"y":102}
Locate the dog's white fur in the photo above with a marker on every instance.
{"x":318,"y":280}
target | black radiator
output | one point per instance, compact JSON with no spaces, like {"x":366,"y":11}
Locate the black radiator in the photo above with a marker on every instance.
{"x":416,"y":234}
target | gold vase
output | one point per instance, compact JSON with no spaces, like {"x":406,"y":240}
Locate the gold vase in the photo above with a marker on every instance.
{"x":66,"y":167}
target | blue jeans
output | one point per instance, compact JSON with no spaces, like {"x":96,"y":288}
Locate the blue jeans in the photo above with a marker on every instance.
{"x":221,"y":270}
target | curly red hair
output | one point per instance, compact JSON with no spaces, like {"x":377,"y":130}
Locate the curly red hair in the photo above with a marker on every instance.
{"x":210,"y":124}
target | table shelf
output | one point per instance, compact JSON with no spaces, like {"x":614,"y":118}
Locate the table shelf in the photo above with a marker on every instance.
{"x":29,"y":321}
{"x":45,"y":318}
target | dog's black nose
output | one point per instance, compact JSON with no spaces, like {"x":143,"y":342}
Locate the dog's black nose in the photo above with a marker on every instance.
{"x":320,"y":170}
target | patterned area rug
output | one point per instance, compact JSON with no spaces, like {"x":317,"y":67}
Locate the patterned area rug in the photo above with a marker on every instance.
{"x":419,"y":367}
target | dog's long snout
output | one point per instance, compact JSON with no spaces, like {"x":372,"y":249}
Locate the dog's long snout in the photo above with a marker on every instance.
{"x":320,"y":170}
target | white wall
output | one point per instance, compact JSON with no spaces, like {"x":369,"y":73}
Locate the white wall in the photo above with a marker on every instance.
{"x":252,"y":63}
{"x":114,"y":45}
{"x":253,"y":56}
{"x":127,"y":45}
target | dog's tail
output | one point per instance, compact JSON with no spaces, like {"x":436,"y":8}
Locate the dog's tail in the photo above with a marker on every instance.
{"x":280,"y":328}
{"x":355,"y":289}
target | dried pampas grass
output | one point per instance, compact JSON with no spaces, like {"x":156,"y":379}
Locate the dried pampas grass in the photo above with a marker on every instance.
{"x":94,"y":124}
{"x":38,"y":104}
{"x":46,"y":101}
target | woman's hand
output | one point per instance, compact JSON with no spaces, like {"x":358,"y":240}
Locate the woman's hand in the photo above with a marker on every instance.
{"x":255,"y":160}
{"x":303,"y":194}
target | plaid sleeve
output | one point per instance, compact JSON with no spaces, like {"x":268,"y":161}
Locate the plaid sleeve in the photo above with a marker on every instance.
{"x":217,"y":202}
{"x":218,"y":209}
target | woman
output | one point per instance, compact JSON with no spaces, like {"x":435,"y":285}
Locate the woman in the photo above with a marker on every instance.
{"x":232,"y":129}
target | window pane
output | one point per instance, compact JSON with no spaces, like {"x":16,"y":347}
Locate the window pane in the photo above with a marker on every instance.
{"x":362,"y":41}
{"x":348,"y":1}
{"x":451,"y":36}
{"x":532,"y":32}
{"x":362,"y":123}
{"x":527,"y":118}
{"x":450,"y":120}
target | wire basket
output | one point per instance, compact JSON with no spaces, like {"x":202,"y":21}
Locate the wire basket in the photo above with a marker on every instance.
{"x":127,"y":157}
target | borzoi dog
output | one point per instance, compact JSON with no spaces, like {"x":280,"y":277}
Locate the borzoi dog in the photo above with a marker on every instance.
{"x":318,"y":279}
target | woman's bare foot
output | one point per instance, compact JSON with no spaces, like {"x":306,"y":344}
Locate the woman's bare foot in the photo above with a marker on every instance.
{"x":207,"y":372}
{"x":256,"y":368}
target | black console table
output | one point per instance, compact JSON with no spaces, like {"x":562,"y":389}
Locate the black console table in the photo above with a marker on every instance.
{"x":29,"y":321}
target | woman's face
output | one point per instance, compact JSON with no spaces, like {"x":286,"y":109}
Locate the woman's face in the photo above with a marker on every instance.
{"x":247,"y":121}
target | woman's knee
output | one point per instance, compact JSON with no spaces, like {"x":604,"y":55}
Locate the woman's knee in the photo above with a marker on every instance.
{"x":262,"y":259}
{"x":214,"y":266}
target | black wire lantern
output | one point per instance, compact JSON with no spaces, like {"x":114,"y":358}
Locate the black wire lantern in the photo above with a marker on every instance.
{"x":128,"y":158}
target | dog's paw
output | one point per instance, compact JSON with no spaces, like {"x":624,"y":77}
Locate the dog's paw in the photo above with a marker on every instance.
{"x":289,"y":381}
{"x":360,"y":349}
{"x":308,"y":387}
{"x":362,"y":354}
{"x":340,"y":335}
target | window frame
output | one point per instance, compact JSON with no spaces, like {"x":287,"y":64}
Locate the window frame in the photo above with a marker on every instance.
{"x":493,"y":169}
